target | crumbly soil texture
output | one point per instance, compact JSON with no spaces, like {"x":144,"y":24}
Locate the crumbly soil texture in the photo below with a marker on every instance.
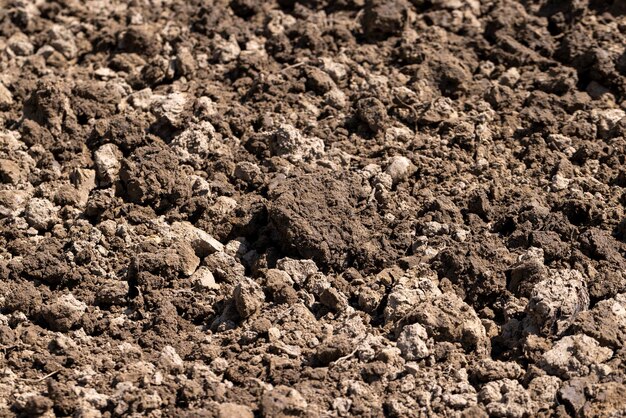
{"x":312,"y":208}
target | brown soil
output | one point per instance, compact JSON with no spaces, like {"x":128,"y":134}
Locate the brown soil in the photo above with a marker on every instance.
{"x":312,"y":208}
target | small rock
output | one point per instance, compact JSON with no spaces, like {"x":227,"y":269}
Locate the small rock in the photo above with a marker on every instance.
{"x":606,"y":119}
{"x":226,"y":50}
{"x":200,"y":186}
{"x":224,"y":205}
{"x":202,"y":243}
{"x":382,"y":181}
{"x":489,"y":370}
{"x":280,"y":286}
{"x":298,"y":270}
{"x":189,"y":261}
{"x":574,"y":356}
{"x":143,"y":99}
{"x":543,"y":389}
{"x":219,"y":365}
{"x":336,"y":98}
{"x":225,"y":267}
{"x":87,"y":411}
{"x":316,"y":284}
{"x":248,"y":297}
{"x":105,"y":73}
{"x":404,"y":297}
{"x":400,"y":168}
{"x":433,"y":228}
{"x":370,"y":171}
{"x":9,"y":171}
{"x":12,"y":202}
{"x":555,"y":302}
{"x":449,"y":318}
{"x":41,"y":214}
{"x":112,"y":292}
{"x":6,"y":98}
{"x":107,"y":159}
{"x":412,"y":342}
{"x":170,"y":108}
{"x":170,"y":360}
{"x":185,"y":62}
{"x":249,"y":173}
{"x":342,"y":406}
{"x":333,"y":299}
{"x":62,"y":40}
{"x":572,"y":393}
{"x":559,"y":183}
{"x":439,"y":110}
{"x":203,"y":278}
{"x":510,"y":77}
{"x":287,"y":141}
{"x":370,"y":299}
{"x":84,"y":180}
{"x":204,"y":106}
{"x":20,"y":44}
{"x":606,"y":322}
{"x":283,"y":401}
{"x":237,"y":247}
{"x":334,"y":69}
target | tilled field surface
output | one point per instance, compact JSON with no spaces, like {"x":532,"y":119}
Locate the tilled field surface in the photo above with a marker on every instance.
{"x":312,"y":208}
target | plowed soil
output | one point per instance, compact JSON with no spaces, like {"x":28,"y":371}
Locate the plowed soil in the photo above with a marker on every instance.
{"x":316,"y":208}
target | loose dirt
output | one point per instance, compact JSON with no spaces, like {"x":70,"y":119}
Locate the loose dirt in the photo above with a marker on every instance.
{"x":312,"y":208}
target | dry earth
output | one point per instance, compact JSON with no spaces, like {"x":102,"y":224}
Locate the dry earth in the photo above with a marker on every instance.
{"x":317,"y":208}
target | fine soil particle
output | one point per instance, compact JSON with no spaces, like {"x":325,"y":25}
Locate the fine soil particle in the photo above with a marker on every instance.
{"x":311,"y":208}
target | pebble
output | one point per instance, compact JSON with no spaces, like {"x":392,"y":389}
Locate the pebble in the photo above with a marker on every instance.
{"x":9,"y":171}
{"x":203,"y":278}
{"x":41,"y":214}
{"x":298,"y":270}
{"x":62,"y":40}
{"x":189,"y":261}
{"x":202,"y":242}
{"x":334,"y":299}
{"x":107,"y":159}
{"x":6,"y":98}
{"x":559,"y":183}
{"x":400,"y":168}
{"x":510,"y":77}
{"x":287,"y":141}
{"x":170,"y":360}
{"x":20,"y":45}
{"x":227,"y":50}
{"x":283,"y":401}
{"x":412,"y":342}
{"x":249,"y":297}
